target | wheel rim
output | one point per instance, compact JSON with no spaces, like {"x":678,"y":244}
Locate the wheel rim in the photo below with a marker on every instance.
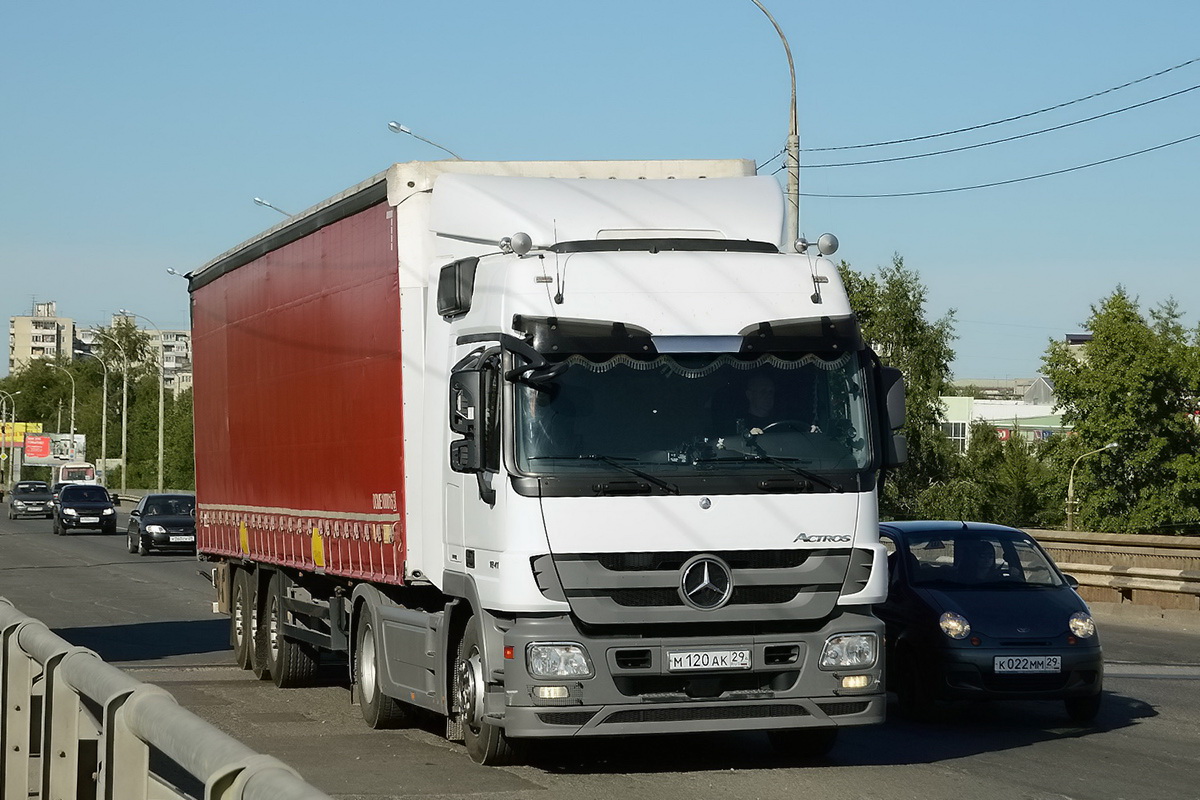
{"x":273,"y":630}
{"x":239,"y":626}
{"x":366,"y":665}
{"x":470,"y":688}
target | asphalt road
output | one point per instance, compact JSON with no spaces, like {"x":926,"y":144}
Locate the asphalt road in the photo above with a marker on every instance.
{"x":152,"y":617}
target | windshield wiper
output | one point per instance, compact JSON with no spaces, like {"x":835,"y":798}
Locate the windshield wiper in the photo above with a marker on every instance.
{"x":617,"y":461}
{"x":786,"y":463}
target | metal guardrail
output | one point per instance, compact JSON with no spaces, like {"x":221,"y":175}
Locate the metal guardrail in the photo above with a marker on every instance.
{"x":76,"y":727}
{"x":1147,"y":570}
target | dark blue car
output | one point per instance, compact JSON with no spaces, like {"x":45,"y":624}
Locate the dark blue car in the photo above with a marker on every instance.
{"x":980,"y":612}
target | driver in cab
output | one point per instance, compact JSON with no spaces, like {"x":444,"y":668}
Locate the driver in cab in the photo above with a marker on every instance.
{"x":761,"y":408}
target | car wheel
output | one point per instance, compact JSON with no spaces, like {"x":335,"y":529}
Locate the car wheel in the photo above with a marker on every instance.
{"x":130,"y":543}
{"x":142,"y":549}
{"x":486,"y":743}
{"x":803,"y":743}
{"x":292,"y":663}
{"x":1083,"y":710}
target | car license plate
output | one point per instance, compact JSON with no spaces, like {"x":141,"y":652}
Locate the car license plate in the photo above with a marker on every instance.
{"x":89,"y":520}
{"x":1028,"y":664}
{"x":708,"y":659}
{"x":183,"y":538}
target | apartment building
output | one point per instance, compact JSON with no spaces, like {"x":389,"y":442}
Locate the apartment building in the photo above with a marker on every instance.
{"x":42,"y":334}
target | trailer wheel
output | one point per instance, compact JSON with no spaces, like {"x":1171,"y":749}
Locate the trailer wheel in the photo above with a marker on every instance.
{"x":241,"y":634}
{"x":260,"y":664}
{"x":291,"y":663}
{"x":486,"y":743}
{"x":378,"y":709}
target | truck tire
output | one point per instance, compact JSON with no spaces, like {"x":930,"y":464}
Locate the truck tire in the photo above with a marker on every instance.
{"x":486,"y":743}
{"x":378,"y":709}
{"x":291,"y":663}
{"x":241,"y":636}
{"x":259,"y":663}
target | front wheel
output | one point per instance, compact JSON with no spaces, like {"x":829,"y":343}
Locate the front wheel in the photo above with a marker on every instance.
{"x":486,"y":742}
{"x":131,"y":543}
{"x":378,"y":709}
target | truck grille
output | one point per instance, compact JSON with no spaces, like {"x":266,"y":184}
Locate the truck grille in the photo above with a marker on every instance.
{"x":705,"y":713}
{"x":642,"y":588}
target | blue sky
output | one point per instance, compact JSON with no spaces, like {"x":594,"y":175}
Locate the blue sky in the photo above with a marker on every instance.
{"x":135,"y":134}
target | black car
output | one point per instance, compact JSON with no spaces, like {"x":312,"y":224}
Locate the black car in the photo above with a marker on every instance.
{"x":30,"y":499}
{"x":163,"y":522}
{"x":979,"y":611}
{"x":84,"y":506}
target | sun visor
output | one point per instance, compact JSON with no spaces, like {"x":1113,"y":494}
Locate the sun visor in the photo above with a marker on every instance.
{"x":487,"y":208}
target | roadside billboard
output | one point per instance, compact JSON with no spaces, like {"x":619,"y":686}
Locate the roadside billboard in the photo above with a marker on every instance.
{"x":48,"y":449}
{"x":12,"y":434}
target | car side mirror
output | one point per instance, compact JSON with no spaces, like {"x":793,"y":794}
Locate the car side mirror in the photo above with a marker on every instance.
{"x":135,"y":513}
{"x":1072,"y":581}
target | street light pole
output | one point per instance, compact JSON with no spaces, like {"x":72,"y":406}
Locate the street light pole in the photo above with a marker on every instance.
{"x":124,"y":405}
{"x":103,"y":416}
{"x":396,"y":127}
{"x":9,"y":399}
{"x":792,"y":157}
{"x":1071,"y":483}
{"x":162,"y":377}
{"x":72,"y":377}
{"x":258,"y":201}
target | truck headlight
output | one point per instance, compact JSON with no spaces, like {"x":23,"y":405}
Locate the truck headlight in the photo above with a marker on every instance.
{"x":1082,"y":626}
{"x":155,"y":529}
{"x":849,"y":650}
{"x":557,"y":660}
{"x":954,"y":625}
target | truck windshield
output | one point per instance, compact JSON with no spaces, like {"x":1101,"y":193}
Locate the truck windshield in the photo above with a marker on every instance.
{"x":695,"y":414}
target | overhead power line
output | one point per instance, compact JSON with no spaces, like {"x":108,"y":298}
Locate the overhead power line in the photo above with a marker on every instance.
{"x":1007,"y":119}
{"x":1005,"y":139}
{"x":1012,"y":180}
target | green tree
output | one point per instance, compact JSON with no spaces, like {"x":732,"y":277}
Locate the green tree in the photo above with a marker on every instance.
{"x":1135,"y":384}
{"x":891,"y":310}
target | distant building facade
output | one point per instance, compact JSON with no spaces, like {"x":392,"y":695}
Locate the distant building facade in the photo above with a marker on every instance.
{"x":41,"y":335}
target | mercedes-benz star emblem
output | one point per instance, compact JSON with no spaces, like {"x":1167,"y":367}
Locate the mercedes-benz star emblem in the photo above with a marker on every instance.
{"x":706,"y":583}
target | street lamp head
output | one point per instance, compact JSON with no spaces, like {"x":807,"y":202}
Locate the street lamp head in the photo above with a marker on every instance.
{"x":1111,"y":446}
{"x":396,"y":127}
{"x":176,"y":273}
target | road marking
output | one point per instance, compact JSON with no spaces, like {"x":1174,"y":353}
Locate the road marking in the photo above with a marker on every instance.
{"x":1129,"y":669}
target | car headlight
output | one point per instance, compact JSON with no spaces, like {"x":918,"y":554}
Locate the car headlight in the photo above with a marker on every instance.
{"x":18,"y":504}
{"x":849,"y":650}
{"x":557,"y":660}
{"x":70,"y":512}
{"x":107,"y":512}
{"x":954,"y":625}
{"x":1081,"y":625}
{"x":155,"y":529}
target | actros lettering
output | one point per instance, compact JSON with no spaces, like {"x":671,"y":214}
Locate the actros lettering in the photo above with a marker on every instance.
{"x":822,"y":537}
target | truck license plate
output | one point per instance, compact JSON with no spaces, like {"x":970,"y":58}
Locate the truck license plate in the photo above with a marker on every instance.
{"x":1028,"y":664}
{"x":708,"y":659}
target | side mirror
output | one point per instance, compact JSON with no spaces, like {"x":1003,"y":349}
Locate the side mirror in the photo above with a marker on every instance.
{"x":466,"y":418}
{"x":892,"y":389}
{"x":895,"y":450}
{"x":135,"y":513}
{"x":456,"y":287}
{"x":1072,"y":581}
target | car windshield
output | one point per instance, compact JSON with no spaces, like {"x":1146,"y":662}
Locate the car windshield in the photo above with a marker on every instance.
{"x":695,"y":414}
{"x":972,"y":559}
{"x":170,"y":506}
{"x":85,"y":494}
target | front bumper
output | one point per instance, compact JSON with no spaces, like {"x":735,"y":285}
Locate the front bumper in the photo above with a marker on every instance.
{"x":970,"y":674}
{"x":633,"y":692}
{"x":162,"y":541}
{"x":32,"y":510}
{"x":102,"y":523}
